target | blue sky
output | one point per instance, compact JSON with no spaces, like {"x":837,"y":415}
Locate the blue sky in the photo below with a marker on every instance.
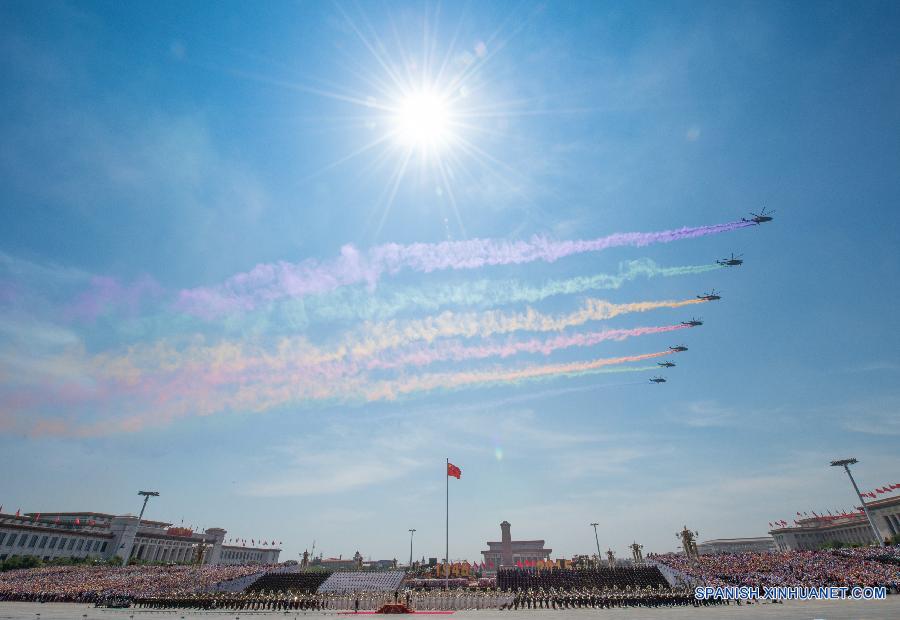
{"x":152,"y":152}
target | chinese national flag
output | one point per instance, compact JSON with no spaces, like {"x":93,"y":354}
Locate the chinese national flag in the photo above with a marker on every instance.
{"x":453,"y":470}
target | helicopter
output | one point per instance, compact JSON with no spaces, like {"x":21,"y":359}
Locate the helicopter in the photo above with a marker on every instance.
{"x":732,"y":261}
{"x":693,"y":322}
{"x":678,"y":349}
{"x":710,"y":296}
{"x":657,"y":380}
{"x":665,"y":364}
{"x":759,"y":218}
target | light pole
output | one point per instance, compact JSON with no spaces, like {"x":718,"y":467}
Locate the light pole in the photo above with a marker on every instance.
{"x":597,"y":540}
{"x":411,"y":532}
{"x":845,"y":463}
{"x":147,"y":495}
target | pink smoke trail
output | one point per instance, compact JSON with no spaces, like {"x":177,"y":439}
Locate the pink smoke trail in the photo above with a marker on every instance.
{"x":455,"y":351}
{"x":108,"y":294}
{"x":271,"y":281}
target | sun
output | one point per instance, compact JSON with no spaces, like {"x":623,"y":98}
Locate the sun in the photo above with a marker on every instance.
{"x":423,"y":120}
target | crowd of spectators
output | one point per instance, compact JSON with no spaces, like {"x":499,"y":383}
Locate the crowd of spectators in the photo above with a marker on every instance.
{"x":90,"y":584}
{"x":619,"y":577}
{"x":852,"y":567}
{"x":885,"y":555}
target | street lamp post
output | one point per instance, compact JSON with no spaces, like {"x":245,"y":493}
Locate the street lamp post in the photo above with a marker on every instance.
{"x":411,"y":532}
{"x":597,"y":540}
{"x":845,"y":463}
{"x":147,"y":495}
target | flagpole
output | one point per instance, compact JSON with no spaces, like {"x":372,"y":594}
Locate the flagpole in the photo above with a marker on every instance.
{"x":447,"y":528}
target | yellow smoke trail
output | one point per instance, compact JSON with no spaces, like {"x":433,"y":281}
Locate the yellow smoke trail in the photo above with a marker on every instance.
{"x":390,"y":390}
{"x":378,"y":337}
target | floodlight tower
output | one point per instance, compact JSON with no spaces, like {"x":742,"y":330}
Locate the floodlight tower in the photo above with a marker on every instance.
{"x":597,"y":540}
{"x":147,"y":495}
{"x":845,"y":463}
{"x":411,"y":532}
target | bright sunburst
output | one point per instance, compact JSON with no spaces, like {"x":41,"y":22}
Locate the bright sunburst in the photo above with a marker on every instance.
{"x":426,"y":113}
{"x":423,"y":120}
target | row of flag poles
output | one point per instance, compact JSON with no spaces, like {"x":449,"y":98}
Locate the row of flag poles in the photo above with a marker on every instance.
{"x":37,"y":517}
{"x":888,"y":488}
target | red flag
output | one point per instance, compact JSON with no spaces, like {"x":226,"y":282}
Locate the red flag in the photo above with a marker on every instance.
{"x":17,"y":511}
{"x":77,"y":521}
{"x":453,"y":470}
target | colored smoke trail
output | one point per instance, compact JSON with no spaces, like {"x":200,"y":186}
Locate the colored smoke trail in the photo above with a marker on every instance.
{"x":240,"y":361}
{"x":352,"y":304}
{"x":391,"y":390}
{"x":272,"y":281}
{"x":455,"y":351}
{"x":382,"y":336}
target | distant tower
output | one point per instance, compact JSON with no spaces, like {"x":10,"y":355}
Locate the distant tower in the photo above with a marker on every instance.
{"x":506,"y":557}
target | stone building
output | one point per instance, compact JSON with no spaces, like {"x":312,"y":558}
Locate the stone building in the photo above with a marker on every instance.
{"x":736,"y":545}
{"x":103,"y":536}
{"x":813,"y":532}
{"x":509,"y":552}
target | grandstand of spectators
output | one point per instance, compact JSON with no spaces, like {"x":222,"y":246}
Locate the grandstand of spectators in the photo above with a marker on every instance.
{"x":852,"y":567}
{"x":363,"y":581}
{"x":618,"y":577}
{"x":298,"y":581}
{"x":885,"y":555}
{"x":88,"y":584}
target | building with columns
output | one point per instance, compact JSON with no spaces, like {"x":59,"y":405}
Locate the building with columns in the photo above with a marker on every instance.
{"x":104,"y":536}
{"x":813,"y":532}
{"x":757,"y":544}
{"x":509,"y":552}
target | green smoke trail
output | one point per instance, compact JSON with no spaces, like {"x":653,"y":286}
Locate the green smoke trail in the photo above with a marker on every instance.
{"x":354,"y":304}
